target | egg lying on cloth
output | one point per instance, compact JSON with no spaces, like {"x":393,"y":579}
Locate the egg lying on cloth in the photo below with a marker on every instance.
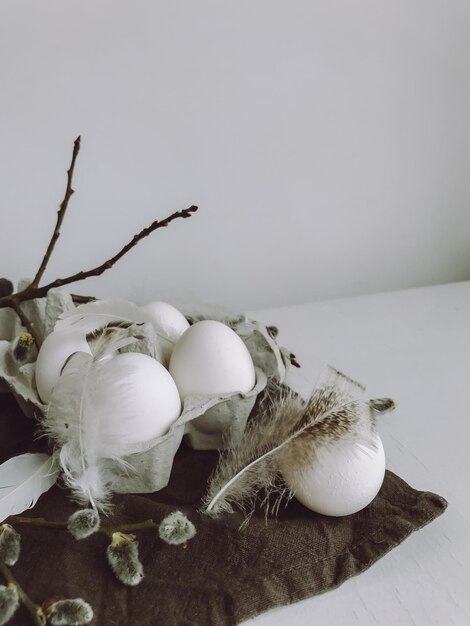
{"x":168,"y":321}
{"x":136,"y":398}
{"x":343,"y":478}
{"x":54,"y":352}
{"x":210,"y":359}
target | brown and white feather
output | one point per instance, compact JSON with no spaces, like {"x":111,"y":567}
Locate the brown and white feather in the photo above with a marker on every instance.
{"x":287,"y":429}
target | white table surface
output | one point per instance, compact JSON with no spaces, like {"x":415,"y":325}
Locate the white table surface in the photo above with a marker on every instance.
{"x":413,"y":346}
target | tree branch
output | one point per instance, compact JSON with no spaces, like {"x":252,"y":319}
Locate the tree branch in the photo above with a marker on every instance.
{"x":36,"y":612}
{"x":32,"y":292}
{"x":25,"y":321}
{"x":104,"y":528}
{"x":100,"y":269}
{"x":60,"y":214}
{"x":14,"y":300}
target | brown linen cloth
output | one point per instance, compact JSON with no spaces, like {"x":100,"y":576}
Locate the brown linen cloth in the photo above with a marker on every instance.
{"x":224,"y":576}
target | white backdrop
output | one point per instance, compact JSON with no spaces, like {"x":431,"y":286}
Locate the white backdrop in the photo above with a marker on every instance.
{"x":325,"y":141}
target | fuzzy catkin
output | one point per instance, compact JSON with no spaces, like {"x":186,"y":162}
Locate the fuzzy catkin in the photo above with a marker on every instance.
{"x":9,"y":602}
{"x":176,"y":529}
{"x":10,"y":544}
{"x":23,"y":347}
{"x":75,"y":612}
{"x":123,"y":557}
{"x":83,"y":523}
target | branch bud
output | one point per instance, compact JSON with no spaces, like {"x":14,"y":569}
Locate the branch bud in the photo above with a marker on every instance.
{"x":10,"y":546}
{"x":123,"y":557}
{"x":6,"y":287}
{"x":23,"y":346}
{"x":176,"y":529}
{"x":9,"y":602}
{"x":74,"y":612}
{"x":83,"y":523}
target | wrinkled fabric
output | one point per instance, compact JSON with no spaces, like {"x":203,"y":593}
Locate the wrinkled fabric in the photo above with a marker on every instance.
{"x":223,"y":576}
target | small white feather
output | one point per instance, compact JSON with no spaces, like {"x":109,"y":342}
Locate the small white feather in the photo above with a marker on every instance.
{"x":23,"y":479}
{"x":78,"y":424}
{"x":93,"y":316}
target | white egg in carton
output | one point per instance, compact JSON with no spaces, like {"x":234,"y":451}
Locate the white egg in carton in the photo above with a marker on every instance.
{"x":207,"y":420}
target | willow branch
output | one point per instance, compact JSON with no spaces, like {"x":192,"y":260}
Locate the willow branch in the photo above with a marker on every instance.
{"x":60,"y":214}
{"x":36,"y":612}
{"x":32,"y":292}
{"x":15,"y":305}
{"x":100,"y":269}
{"x":126,"y":528}
{"x":105,"y":529}
{"x":35,"y":521}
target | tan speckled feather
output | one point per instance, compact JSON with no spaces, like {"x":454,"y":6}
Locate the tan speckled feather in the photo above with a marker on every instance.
{"x":289,"y":430}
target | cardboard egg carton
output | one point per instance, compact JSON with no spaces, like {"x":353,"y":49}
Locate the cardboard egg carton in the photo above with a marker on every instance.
{"x":206,"y":422}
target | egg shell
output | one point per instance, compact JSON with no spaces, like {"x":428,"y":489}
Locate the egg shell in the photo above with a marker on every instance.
{"x":167,"y":320}
{"x":342,"y":479}
{"x":54,"y":352}
{"x":137,"y":398}
{"x":209,"y":359}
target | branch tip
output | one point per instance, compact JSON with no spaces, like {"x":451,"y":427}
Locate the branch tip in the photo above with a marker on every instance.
{"x":60,"y":215}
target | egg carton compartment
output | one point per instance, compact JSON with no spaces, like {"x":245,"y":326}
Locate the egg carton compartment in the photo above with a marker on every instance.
{"x":222,"y":424}
{"x":17,"y":372}
{"x":207,"y":423}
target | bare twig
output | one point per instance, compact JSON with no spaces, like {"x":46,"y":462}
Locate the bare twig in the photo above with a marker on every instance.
{"x":132,"y":527}
{"x":60,"y":214}
{"x":14,"y":300}
{"x":36,"y":612}
{"x":15,"y":305}
{"x":104,"y":529}
{"x":100,"y":269}
{"x":35,"y":521}
{"x":32,"y":292}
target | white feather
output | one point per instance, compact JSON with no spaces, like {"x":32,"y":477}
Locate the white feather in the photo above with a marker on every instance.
{"x":94,"y":315}
{"x":79,"y":426}
{"x":23,"y":479}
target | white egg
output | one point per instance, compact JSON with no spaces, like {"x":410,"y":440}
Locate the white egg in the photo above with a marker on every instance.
{"x":168,"y":321}
{"x":54,"y":352}
{"x":343,"y":479}
{"x":136,"y":397}
{"x":209,"y":359}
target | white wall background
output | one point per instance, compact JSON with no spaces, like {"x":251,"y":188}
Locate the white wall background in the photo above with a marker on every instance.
{"x":326,"y":142}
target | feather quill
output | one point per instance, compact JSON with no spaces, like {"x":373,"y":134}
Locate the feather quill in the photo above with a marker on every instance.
{"x":288,"y":430}
{"x":23,"y":479}
{"x":74,"y":421}
{"x":93,"y":316}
